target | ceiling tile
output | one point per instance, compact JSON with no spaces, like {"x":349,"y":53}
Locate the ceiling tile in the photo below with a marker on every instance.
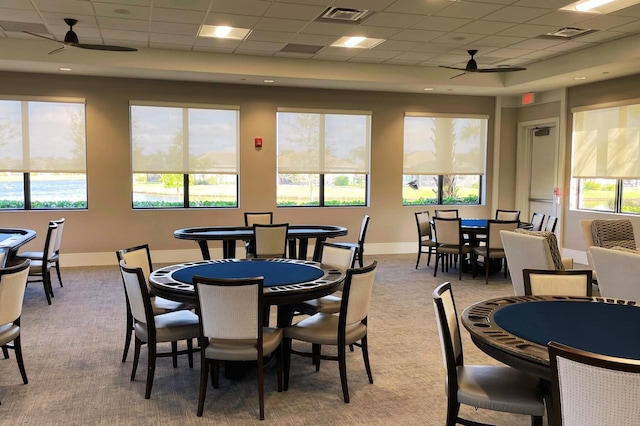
{"x":417,"y":35}
{"x":112,"y":11}
{"x":184,"y":17}
{"x":398,"y":45}
{"x":293,"y":11}
{"x":558,"y":18}
{"x":515,"y":14}
{"x":270,"y":36}
{"x":528,"y":30}
{"x":236,"y":21}
{"x":441,"y":23}
{"x":372,"y":32}
{"x":169,"y":28}
{"x":418,"y":7}
{"x":605,"y":22}
{"x":396,"y":20}
{"x":468,"y":10}
{"x":458,"y":38}
{"x":70,"y":7}
{"x":499,"y":41}
{"x":328,"y":28}
{"x":181,"y":4}
{"x":241,"y":7}
{"x":485,"y":27}
{"x":276,"y":24}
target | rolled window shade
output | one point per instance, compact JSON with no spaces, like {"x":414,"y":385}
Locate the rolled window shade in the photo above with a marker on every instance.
{"x":606,"y":143}
{"x":444,"y":145}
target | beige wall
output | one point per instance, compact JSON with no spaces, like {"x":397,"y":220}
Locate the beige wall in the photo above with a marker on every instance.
{"x":110,"y":223}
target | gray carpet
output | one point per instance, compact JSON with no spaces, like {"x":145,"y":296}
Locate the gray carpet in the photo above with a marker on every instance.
{"x":73,"y":350}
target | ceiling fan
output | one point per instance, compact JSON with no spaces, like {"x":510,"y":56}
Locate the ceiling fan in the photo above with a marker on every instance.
{"x":472,"y":66}
{"x":71,"y":39}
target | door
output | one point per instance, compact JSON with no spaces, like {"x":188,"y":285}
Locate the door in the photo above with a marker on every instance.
{"x":543,"y":171}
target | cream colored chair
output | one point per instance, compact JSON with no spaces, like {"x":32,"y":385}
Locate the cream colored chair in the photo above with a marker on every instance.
{"x":359,"y":245}
{"x":613,"y":233}
{"x":618,"y":272}
{"x":426,"y":242}
{"x":537,"y":219}
{"x":450,"y":243}
{"x":573,"y":283}
{"x":587,"y":236}
{"x":271,"y":240}
{"x":263,"y":218}
{"x":40,"y":270}
{"x":493,"y":249}
{"x":491,"y":387}
{"x":54,"y":259}
{"x":531,"y":250}
{"x":507,"y":214}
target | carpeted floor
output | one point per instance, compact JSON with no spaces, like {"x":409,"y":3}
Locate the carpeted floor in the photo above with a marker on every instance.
{"x":73,"y":350}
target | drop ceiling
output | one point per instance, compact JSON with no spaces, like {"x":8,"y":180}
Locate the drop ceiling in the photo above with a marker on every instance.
{"x":290,"y":46}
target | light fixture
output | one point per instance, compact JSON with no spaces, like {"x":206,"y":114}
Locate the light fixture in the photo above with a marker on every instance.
{"x":64,"y":69}
{"x":357,"y":42}
{"x":428,"y":89}
{"x":599,"y":6}
{"x":223,"y":31}
{"x":269,"y":81}
{"x":579,"y":78}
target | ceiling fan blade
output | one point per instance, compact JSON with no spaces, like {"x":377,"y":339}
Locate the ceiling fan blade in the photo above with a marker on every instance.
{"x":454,"y":68}
{"x":457,"y":75}
{"x":107,"y":47}
{"x":501,"y":69}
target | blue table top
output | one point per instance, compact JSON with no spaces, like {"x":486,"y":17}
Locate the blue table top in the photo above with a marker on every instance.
{"x":475,"y":222}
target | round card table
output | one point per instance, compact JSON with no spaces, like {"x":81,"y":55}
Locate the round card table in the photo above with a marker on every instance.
{"x":286,"y":281}
{"x":229,"y":235}
{"x":515,"y":330}
{"x":11,"y":239}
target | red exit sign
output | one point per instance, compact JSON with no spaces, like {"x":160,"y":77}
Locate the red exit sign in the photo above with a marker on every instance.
{"x":528,"y":98}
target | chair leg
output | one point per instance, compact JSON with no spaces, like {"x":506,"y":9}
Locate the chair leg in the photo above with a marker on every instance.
{"x":204,"y":372}
{"x":127,"y":338}
{"x":453,"y":408}
{"x":261,"y":386}
{"x":435,"y":269}
{"x":342,"y":364}
{"x":190,"y":352}
{"x":487,"y":265}
{"x":419,"y":253}
{"x":47,"y":293}
{"x":57,"y":266}
{"x":316,"y":350}
{"x":17,"y":346}
{"x":536,"y":420}
{"x":136,"y":357}
{"x":151,"y":368}
{"x":5,"y":352}
{"x":174,"y":354}
{"x":279,"y":354}
{"x":286,"y":345}
{"x":365,"y":357}
{"x":215,"y":374}
{"x":429,"y":256}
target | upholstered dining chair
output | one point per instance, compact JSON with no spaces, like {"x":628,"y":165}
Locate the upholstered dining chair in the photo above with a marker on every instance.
{"x":446,"y":213}
{"x":450,"y":242}
{"x":154,"y":329}
{"x":426,"y":242}
{"x":140,"y":257}
{"x":576,"y":282}
{"x":270,"y":239}
{"x":618,"y":270}
{"x":13,"y":281}
{"x":346,"y":328}
{"x":577,"y":376}
{"x":507,"y":214}
{"x":610,"y":233}
{"x":491,"y":387}
{"x":40,"y":270}
{"x":537,"y":220}
{"x":55,"y":257}
{"x":231,"y":329}
{"x":358,"y":245}
{"x":550,"y":225}
{"x":264,"y":218}
{"x":493,"y":249}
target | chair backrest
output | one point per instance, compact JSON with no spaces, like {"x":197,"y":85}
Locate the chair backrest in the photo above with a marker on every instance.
{"x":135,"y":286}
{"x":593,"y":389}
{"x":337,"y":256}
{"x":229,"y":308}
{"x":423,"y":223}
{"x":2,"y":257}
{"x":550,"y":226}
{"x":449,"y":332}
{"x":447,"y":213}
{"x":448,"y":231}
{"x":537,"y":219}
{"x":529,"y":250}
{"x":613,"y":232}
{"x":356,"y":295}
{"x":263,"y":218}
{"x":13,"y":282}
{"x":49,"y":244}
{"x":494,"y":227}
{"x":271,"y":239}
{"x":363,"y":231}
{"x":558,"y":283}
{"x":587,"y":236}
{"x":58,"y":242}
{"x":507,"y":214}
{"x":617,"y":272}
{"x":137,"y":257}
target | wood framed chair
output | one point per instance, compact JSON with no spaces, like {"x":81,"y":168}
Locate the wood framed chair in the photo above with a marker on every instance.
{"x":426,"y":242}
{"x":507,"y":214}
{"x":40,"y":270}
{"x":154,"y":329}
{"x":231,"y":329}
{"x":13,"y":281}
{"x":493,"y":248}
{"x":140,"y":257}
{"x":446,"y":213}
{"x":537,"y":220}
{"x":450,"y":242}
{"x":491,"y":387}
{"x":550,"y":225}
{"x":577,"y":375}
{"x":263,"y":218}
{"x":347,"y":328}
{"x":270,"y":240}
{"x":359,"y":245}
{"x":55,"y":257}
{"x":576,"y":282}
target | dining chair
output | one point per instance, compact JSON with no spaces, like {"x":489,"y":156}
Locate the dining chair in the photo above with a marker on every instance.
{"x":449,"y":242}
{"x":338,"y":257}
{"x":264,"y":218}
{"x":587,"y":237}
{"x":573,"y":283}
{"x":491,"y":387}
{"x":40,"y":270}
{"x":507,"y":214}
{"x":610,"y":233}
{"x":55,"y":257}
{"x":154,"y":329}
{"x":425,"y":236}
{"x":140,"y":257}
{"x":359,"y":245}
{"x":493,"y":249}
{"x":618,"y":270}
{"x":347,"y":328}
{"x":271,"y":240}
{"x":13,"y":281}
{"x":592,"y":389}
{"x":231,"y":329}
{"x":446,"y":213}
{"x":537,"y":220}
{"x":550,"y":225}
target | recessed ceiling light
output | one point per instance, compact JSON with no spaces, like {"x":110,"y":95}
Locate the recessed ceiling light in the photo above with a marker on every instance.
{"x":222,"y":31}
{"x":269,"y":81}
{"x":357,"y":42}
{"x":65,"y":69}
{"x":599,"y":6}
{"x":428,"y":89}
{"x":579,"y":78}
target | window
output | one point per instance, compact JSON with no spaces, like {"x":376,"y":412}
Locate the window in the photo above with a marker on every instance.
{"x":43,"y":160}
{"x":184,"y":156}
{"x":606,"y":159}
{"x":444,"y":159}
{"x":323,"y":158}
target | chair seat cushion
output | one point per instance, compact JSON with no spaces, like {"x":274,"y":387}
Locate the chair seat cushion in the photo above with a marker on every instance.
{"x":328,"y":304}
{"x":243,"y":349}
{"x":500,"y":388}
{"x":322,"y":329}
{"x":8,"y":333}
{"x":36,"y":255}
{"x":162,"y":306}
{"x":35,"y":268}
{"x":446,"y":248}
{"x":171,"y":327}
{"x":482,"y":251}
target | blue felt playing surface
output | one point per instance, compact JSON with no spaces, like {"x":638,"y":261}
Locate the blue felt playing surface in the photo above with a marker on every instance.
{"x":474,"y":222}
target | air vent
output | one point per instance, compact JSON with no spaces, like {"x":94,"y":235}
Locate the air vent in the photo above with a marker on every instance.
{"x":344,"y":15}
{"x":567,"y":33}
{"x":301,"y":48}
